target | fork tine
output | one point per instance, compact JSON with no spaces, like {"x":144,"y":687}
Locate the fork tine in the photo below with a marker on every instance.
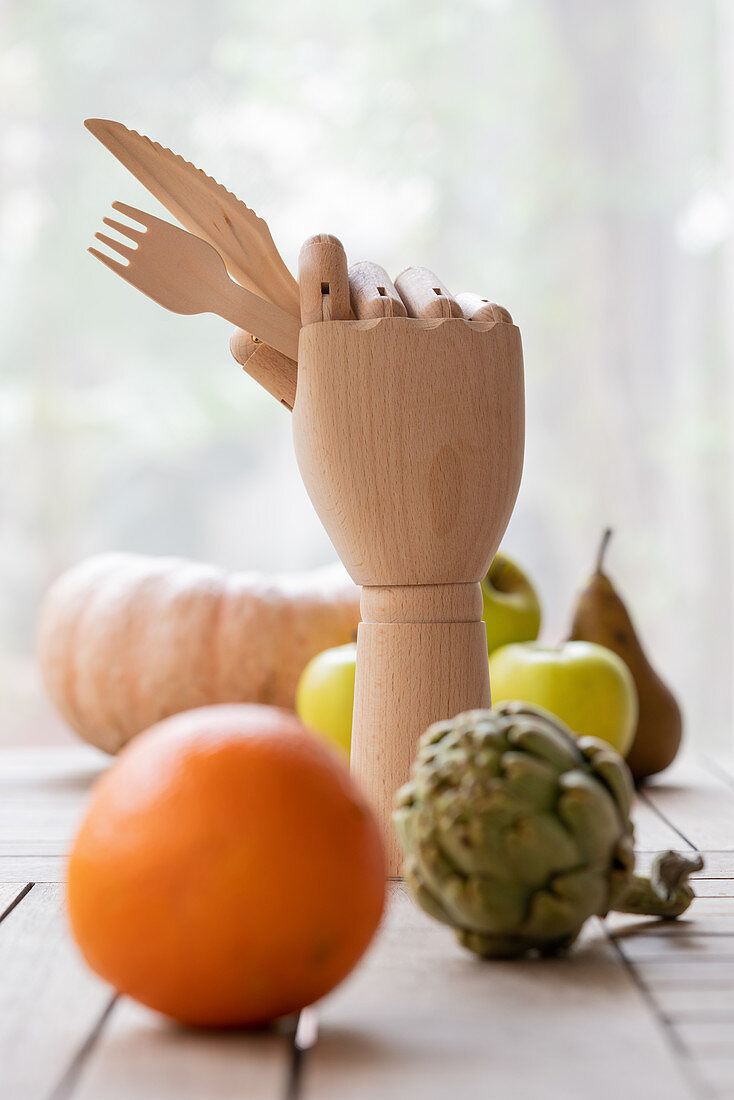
{"x":134,"y":213}
{"x":114,"y":265}
{"x":116,"y":245}
{"x":133,"y":234}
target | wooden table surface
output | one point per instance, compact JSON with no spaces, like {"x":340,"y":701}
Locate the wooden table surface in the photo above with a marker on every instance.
{"x":639,"y":1010}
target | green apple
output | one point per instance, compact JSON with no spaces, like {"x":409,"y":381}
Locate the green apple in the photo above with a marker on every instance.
{"x":584,"y":684}
{"x":325,"y":695}
{"x":511,"y":605}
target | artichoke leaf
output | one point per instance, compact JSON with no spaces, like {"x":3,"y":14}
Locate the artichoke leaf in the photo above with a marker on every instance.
{"x":621,"y":873}
{"x":494,"y":801}
{"x":473,"y":851}
{"x":547,"y":743}
{"x":403,"y":822}
{"x":439,"y":876}
{"x":468,"y":899}
{"x":427,"y":900}
{"x":495,"y":947}
{"x":613,"y":771}
{"x":588,"y":810}
{"x":551,"y":918}
{"x":530,"y":780}
{"x":537,"y":846}
{"x":489,"y":906}
{"x":439,"y":731}
{"x":586,"y":888}
{"x":474,"y":834}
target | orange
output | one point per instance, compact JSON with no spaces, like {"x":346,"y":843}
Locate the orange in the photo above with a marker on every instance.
{"x":227,"y":870}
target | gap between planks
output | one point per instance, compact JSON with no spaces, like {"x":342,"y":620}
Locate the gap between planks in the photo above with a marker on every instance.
{"x":108,"y":1021}
{"x":671,"y":963}
{"x":8,"y":889}
{"x":64,"y":1035}
{"x":680,"y":1051}
{"x":65,"y":1089}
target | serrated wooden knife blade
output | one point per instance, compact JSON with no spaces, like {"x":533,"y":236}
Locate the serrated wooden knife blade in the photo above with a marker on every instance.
{"x":205,"y":208}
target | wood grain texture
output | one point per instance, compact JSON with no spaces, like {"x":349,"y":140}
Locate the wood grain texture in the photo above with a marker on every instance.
{"x":419,"y":1017}
{"x":42,"y":795}
{"x":409,"y":438}
{"x":205,"y":208}
{"x":49,"y":1000}
{"x":48,"y":770}
{"x":34,"y":868}
{"x":9,"y":894}
{"x":475,"y":308}
{"x":323,"y":280}
{"x":274,"y":371}
{"x":698,"y":801}
{"x":653,"y":832}
{"x":184,"y":273}
{"x":141,"y":1055}
{"x":425,"y":295}
{"x":705,"y":1039}
{"x":243,"y":344}
{"x":373,"y":293}
{"x":686,"y":967}
{"x":408,"y":676}
{"x":422,"y":1017}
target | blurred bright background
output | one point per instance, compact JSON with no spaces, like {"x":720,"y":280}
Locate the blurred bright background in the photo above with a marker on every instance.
{"x":570,"y":160}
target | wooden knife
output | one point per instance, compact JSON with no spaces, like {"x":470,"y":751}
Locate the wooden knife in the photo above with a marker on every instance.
{"x":207,"y":209}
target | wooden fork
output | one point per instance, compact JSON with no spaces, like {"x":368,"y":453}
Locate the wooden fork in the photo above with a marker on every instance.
{"x":187,"y":275}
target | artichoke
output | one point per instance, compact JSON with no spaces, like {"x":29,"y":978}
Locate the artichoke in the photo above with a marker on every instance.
{"x":515,"y":832}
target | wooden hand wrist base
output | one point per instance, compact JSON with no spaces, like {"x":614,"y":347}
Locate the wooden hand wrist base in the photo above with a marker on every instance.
{"x":409,"y":438}
{"x":418,"y":659}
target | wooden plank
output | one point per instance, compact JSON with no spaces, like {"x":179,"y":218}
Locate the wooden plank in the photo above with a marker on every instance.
{"x":9,"y":893}
{"x":418,"y":1013}
{"x":38,"y":845}
{"x":704,"y":909}
{"x":661,"y":945}
{"x":706,"y":915}
{"x":424,"y":1017}
{"x":21,"y":869}
{"x":702,"y":973}
{"x":140,"y":1054}
{"x":52,"y":826}
{"x":49,"y":1001}
{"x":652,"y":832}
{"x":721,"y":764}
{"x":695,"y":1003}
{"x":713,"y":887}
{"x":718,"y":1077}
{"x":697,"y":802}
{"x":64,"y":767}
{"x":42,"y":797}
{"x":707,"y":1039}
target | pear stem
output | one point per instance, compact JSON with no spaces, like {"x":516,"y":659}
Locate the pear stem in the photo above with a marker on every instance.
{"x":605,"y":540}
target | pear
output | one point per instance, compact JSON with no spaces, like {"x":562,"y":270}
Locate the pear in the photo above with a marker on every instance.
{"x":601,"y":616}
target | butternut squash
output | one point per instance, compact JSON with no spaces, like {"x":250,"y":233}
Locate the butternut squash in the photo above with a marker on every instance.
{"x":125,"y":640}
